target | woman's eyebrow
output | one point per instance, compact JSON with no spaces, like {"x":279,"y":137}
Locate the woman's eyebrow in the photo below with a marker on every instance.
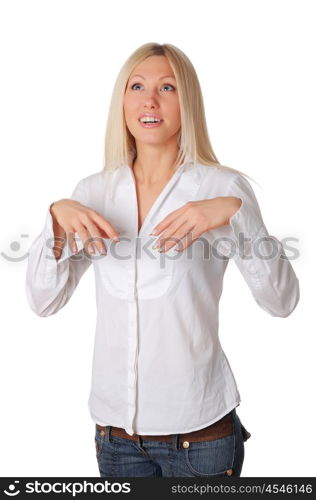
{"x":165,"y":76}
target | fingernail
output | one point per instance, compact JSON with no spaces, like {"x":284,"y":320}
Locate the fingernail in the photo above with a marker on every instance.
{"x":153,"y":233}
{"x":116,"y":238}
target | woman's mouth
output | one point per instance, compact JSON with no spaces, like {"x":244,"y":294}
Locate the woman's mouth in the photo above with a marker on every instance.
{"x":147,"y":122}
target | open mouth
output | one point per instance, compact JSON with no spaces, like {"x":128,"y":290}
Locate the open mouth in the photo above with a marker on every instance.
{"x":149,"y":122}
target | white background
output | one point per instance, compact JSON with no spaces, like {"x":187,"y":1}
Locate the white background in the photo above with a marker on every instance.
{"x":256,"y":65}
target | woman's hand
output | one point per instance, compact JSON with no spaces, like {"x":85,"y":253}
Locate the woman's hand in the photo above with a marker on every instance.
{"x":71,"y":217}
{"x":191,"y":220}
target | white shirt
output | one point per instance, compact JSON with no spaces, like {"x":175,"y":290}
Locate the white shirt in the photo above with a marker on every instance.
{"x":158,"y":365}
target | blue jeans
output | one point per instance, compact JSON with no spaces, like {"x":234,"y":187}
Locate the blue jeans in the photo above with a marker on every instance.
{"x":122,"y":457}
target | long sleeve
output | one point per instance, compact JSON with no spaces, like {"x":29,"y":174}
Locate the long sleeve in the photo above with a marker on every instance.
{"x":50,"y":283}
{"x":265,"y":267}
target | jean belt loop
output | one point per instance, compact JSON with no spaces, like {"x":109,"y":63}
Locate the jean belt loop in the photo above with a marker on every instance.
{"x":176,"y":441}
{"x":108,"y":433}
{"x":140,"y":441}
{"x":233,"y":412}
{"x":234,"y":415}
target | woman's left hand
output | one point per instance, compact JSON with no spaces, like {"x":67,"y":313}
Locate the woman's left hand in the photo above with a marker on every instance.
{"x":191,"y":220}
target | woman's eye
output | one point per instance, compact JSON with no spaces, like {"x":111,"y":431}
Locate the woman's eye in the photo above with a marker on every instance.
{"x":166,"y":85}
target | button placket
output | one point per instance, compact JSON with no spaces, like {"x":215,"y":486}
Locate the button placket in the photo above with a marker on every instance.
{"x":188,"y":188}
{"x":132,"y":342}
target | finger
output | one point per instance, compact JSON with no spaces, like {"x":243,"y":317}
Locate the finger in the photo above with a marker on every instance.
{"x":59,"y":243}
{"x":105,"y":225}
{"x":174,"y":231}
{"x":84,"y":236}
{"x":177,"y":239}
{"x":96,"y":237}
{"x":86,"y":239}
{"x":88,"y":219}
{"x":168,"y":220}
{"x":192,"y":235}
{"x":70,"y":235}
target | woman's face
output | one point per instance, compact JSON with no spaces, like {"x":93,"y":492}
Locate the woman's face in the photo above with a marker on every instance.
{"x":152,"y":92}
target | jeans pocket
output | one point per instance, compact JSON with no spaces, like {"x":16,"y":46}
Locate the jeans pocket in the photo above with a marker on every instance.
{"x":213,"y":458}
{"x":99,"y":439}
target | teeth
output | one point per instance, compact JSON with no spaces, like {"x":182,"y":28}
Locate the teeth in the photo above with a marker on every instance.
{"x":146,"y":119}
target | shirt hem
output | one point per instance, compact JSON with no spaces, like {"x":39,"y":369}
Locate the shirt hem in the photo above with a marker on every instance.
{"x":148,"y":433}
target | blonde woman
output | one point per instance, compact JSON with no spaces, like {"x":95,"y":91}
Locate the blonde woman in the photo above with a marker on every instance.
{"x":159,"y":223}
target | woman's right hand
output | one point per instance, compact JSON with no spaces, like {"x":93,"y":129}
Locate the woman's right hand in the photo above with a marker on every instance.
{"x":70,"y":217}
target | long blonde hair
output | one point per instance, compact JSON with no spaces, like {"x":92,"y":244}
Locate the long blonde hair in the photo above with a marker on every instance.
{"x":194,"y":142}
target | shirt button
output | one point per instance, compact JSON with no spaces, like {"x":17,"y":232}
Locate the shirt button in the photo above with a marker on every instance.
{"x":229,"y":472}
{"x":186,"y":444}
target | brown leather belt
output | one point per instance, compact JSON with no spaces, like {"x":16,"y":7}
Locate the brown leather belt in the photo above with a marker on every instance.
{"x":219,"y":429}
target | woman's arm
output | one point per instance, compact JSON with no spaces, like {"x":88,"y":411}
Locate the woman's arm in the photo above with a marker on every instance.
{"x":259,"y":256}
{"x":233,"y":225}
{"x":50,"y":282}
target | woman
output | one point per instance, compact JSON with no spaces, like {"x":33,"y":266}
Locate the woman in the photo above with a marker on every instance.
{"x":163,"y":396}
